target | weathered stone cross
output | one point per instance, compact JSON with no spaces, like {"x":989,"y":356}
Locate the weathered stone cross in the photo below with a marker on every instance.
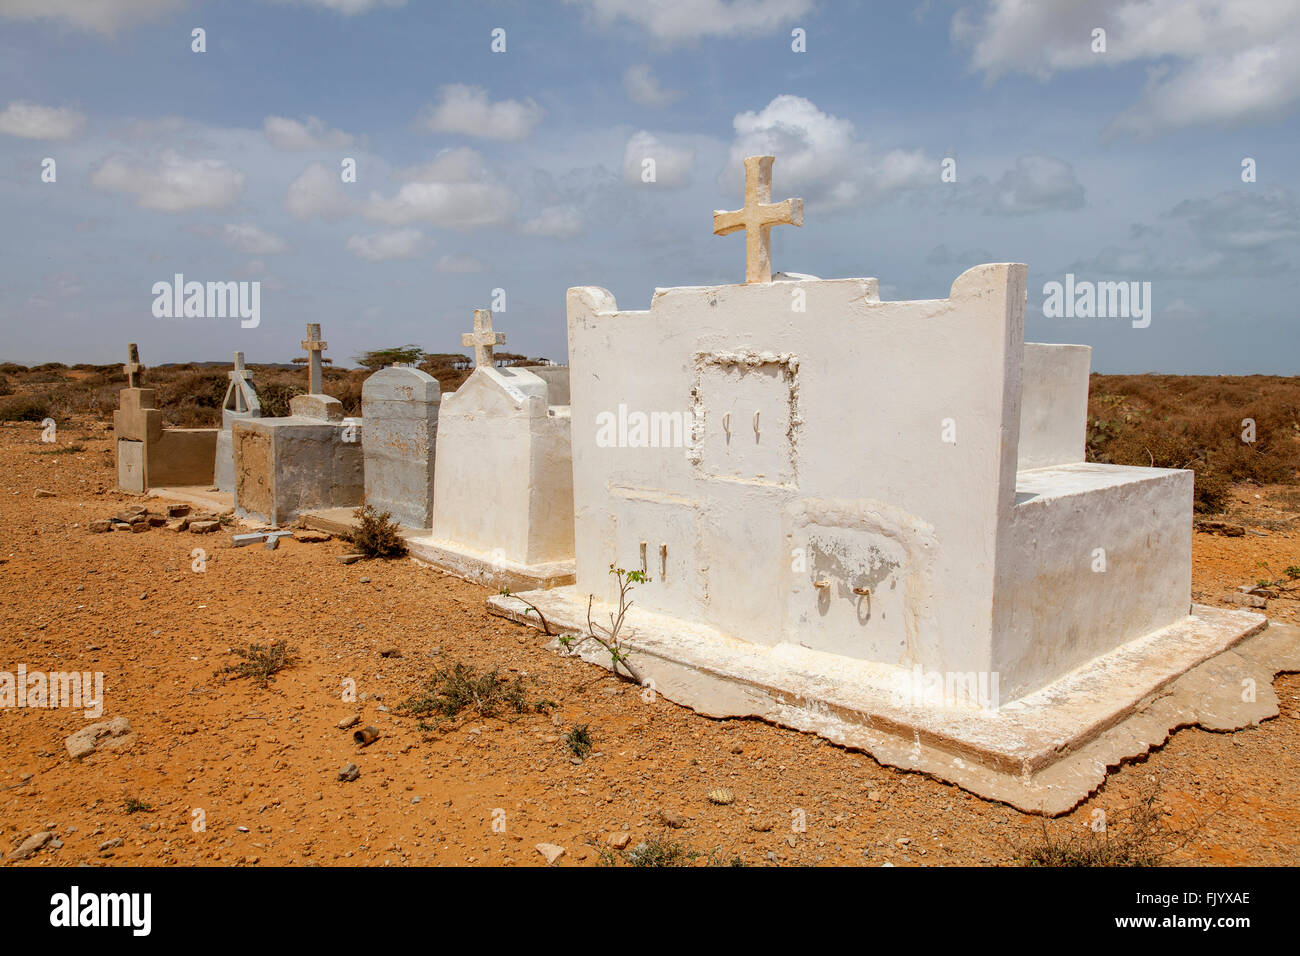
{"x":314,"y":346}
{"x":238,"y":376}
{"x":132,"y":365}
{"x":758,"y":217}
{"x":482,"y":338}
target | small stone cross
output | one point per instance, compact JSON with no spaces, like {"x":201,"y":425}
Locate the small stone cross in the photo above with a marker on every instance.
{"x":239,"y":377}
{"x":314,"y":346}
{"x":132,"y":365}
{"x":482,"y":338}
{"x":758,"y":217}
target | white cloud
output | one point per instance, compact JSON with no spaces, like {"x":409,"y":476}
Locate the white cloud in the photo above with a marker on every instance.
{"x":1035,"y":184}
{"x":379,"y":246}
{"x":317,"y":193}
{"x":173,"y":183}
{"x":459,"y":264}
{"x":31,"y":121}
{"x":673,"y":165}
{"x":561,"y":222}
{"x":104,"y":16}
{"x":347,"y":8}
{"x":467,"y":110}
{"x":251,"y":238}
{"x":285,"y":133}
{"x":642,"y":86}
{"x":819,"y":156}
{"x":456,"y":190}
{"x":672,"y":21}
{"x":1212,"y":61}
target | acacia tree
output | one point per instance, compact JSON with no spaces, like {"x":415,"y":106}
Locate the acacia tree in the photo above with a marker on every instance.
{"x":397,"y":355}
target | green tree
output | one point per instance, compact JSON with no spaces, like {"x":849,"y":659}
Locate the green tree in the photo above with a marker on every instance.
{"x":377,"y":359}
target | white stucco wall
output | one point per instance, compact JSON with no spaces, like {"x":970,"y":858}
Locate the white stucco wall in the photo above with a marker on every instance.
{"x":1054,"y":404}
{"x":848,"y":469}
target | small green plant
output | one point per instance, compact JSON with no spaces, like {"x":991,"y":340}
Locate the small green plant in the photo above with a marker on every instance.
{"x":578,"y":740}
{"x":449,"y":692}
{"x":377,"y":535}
{"x":610,"y":638}
{"x":260,"y":662}
{"x":133,"y":805}
{"x":1284,"y":582}
{"x":658,"y":851}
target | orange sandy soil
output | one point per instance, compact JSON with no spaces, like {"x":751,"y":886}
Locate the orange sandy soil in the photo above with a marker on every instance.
{"x":267,"y":760}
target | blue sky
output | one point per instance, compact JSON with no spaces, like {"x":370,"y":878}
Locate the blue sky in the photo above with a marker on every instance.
{"x":520,"y":170}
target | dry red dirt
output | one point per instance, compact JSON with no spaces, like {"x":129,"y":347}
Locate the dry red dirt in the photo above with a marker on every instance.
{"x":260,"y":765}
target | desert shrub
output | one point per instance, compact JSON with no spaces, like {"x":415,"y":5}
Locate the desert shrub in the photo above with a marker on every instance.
{"x":377,"y":535}
{"x":6,"y":387}
{"x":12,"y":368}
{"x":275,"y":397}
{"x":25,"y":408}
{"x":1197,"y":422}
{"x":193,"y":398}
{"x":579,"y":742}
{"x":260,"y":662}
{"x":449,"y":692}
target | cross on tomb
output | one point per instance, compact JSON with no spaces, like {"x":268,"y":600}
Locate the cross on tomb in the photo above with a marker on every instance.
{"x":132,"y":366}
{"x":314,"y":346}
{"x":758,"y":217}
{"x":482,"y":338}
{"x":239,"y":377}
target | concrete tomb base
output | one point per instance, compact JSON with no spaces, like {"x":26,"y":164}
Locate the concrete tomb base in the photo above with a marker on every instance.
{"x":309,"y":460}
{"x":150,"y":455}
{"x":1043,"y":753}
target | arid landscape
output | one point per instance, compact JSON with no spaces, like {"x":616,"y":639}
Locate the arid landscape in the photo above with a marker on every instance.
{"x":227,"y":771}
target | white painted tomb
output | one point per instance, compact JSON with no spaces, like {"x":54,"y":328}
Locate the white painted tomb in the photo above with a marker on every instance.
{"x":503,"y":483}
{"x":241,"y":401}
{"x":873,"y":520}
{"x":309,"y":460}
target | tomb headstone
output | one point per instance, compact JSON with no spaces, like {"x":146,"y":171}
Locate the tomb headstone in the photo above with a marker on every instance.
{"x":309,"y":460}
{"x":241,"y":402}
{"x":399,"y":407}
{"x":503,"y":486}
{"x":148,"y":455}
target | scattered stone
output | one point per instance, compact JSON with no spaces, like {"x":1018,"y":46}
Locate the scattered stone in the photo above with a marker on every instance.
{"x":550,"y":852}
{"x":349,"y":772}
{"x":1246,"y":600}
{"x":874,"y":796}
{"x":350,"y":558}
{"x":179,"y":525}
{"x":347,"y":722}
{"x":127,"y":515}
{"x":156,"y":521}
{"x":42,"y":493}
{"x":671,"y":818}
{"x":99,"y":526}
{"x":112,"y":844}
{"x":121,"y":526}
{"x":619,"y":840}
{"x":365,"y":580}
{"x":138,"y":527}
{"x":1225,"y":528}
{"x":272,"y":543}
{"x":204,"y":527}
{"x":311,"y":537}
{"x":390,"y":652}
{"x":721,"y":796}
{"x":761,"y":826}
{"x":177,"y":511}
{"x":115,"y":734}
{"x":31,"y":845}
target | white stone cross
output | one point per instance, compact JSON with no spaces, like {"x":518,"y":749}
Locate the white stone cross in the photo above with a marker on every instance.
{"x":132,"y":365}
{"x":314,"y":346}
{"x":758,"y":217}
{"x":482,"y":338}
